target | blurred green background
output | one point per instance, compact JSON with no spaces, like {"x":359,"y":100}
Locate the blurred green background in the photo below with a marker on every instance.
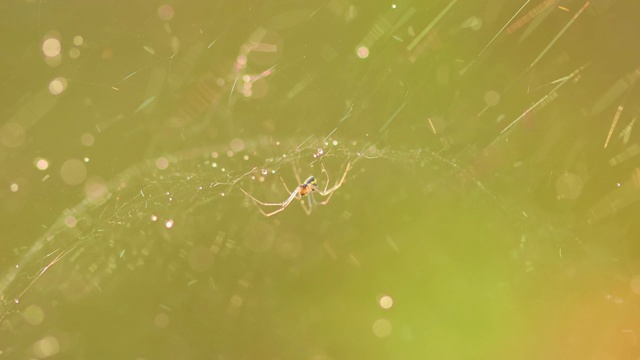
{"x":488,"y":213}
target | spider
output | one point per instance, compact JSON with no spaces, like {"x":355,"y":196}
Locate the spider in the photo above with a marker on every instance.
{"x":308,"y":187}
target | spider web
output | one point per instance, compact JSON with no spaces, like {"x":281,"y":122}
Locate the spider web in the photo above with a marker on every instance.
{"x":449,"y":190}
{"x":87,"y":239}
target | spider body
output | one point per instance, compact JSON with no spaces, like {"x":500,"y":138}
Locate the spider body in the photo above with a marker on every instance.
{"x":308,"y":187}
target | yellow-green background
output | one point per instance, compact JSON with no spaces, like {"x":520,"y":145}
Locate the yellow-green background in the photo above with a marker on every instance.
{"x":520,"y":244}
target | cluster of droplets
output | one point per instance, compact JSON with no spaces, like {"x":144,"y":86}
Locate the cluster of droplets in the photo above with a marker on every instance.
{"x":264,"y":173}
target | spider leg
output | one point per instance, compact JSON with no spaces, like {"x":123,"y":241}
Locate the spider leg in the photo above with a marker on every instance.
{"x":295,"y":172}
{"x":336,"y":186}
{"x":283,"y":205}
{"x":306,"y":209}
{"x":271,"y":213}
{"x":258,"y":202}
{"x":285,"y":185}
{"x":312,"y":199}
{"x":294,"y":195}
{"x":326,"y":184}
{"x":326,"y":200}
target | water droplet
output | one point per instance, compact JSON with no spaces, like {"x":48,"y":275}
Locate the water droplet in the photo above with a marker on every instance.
{"x":386,"y":302}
